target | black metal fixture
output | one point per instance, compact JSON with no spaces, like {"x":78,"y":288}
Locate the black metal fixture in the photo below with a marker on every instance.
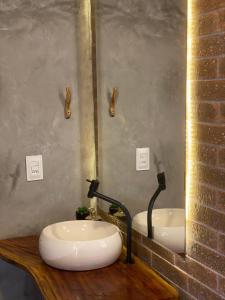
{"x":93,"y":193}
{"x":161,"y":187}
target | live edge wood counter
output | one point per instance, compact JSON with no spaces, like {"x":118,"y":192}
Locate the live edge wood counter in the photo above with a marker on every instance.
{"x":116,"y":282}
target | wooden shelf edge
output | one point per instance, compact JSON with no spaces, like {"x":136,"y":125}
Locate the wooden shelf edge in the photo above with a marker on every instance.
{"x":46,"y":277}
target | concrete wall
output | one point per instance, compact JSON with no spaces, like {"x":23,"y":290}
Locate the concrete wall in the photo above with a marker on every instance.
{"x":141,"y":50}
{"x":38,"y":60}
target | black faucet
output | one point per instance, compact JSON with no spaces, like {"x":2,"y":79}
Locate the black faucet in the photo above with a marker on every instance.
{"x":93,"y":193}
{"x":161,"y":187}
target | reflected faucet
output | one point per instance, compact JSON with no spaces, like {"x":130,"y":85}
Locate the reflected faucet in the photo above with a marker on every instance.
{"x":93,"y":193}
{"x":161,"y":187}
{"x":92,"y":213}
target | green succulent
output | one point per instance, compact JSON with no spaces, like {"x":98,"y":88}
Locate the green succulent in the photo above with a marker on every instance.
{"x":82,"y":210}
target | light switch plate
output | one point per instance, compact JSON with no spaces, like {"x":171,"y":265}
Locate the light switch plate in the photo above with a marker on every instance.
{"x":142,"y":159}
{"x":34,"y":167}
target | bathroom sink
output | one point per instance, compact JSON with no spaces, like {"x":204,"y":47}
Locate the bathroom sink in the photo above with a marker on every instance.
{"x":80,"y":245}
{"x":168,"y":227}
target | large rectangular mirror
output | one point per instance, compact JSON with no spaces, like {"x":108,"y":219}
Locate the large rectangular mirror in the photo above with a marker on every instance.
{"x":141,"y":51}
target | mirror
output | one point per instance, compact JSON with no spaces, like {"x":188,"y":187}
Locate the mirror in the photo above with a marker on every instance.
{"x":141,"y":52}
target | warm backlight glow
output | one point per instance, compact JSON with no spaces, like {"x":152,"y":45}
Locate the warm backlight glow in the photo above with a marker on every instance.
{"x":190,"y":112}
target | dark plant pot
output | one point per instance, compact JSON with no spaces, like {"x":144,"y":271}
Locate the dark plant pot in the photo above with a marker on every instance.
{"x":81,"y":216}
{"x":113,"y":210}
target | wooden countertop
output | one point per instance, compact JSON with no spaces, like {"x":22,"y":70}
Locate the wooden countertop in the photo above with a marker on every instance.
{"x":116,"y":282}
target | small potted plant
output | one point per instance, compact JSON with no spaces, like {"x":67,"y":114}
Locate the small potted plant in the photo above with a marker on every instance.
{"x":82,"y":213}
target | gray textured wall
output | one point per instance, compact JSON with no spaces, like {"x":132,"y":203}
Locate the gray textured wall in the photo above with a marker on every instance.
{"x":38,"y":59}
{"x":141,"y":48}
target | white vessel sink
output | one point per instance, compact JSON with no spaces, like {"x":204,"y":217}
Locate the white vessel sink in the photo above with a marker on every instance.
{"x":168,"y":227}
{"x":80,"y":245}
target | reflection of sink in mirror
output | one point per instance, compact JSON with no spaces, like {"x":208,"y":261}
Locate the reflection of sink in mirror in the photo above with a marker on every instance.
{"x":80,"y":245}
{"x":168,"y":227}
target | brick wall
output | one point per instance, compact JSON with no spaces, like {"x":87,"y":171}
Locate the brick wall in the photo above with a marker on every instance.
{"x":200,"y":274}
{"x":193,"y":278}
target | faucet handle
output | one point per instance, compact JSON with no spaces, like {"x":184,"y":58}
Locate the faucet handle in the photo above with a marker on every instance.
{"x":93,"y":187}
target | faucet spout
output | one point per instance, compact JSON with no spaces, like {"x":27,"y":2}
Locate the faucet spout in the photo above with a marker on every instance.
{"x":161,"y":187}
{"x":93,"y":193}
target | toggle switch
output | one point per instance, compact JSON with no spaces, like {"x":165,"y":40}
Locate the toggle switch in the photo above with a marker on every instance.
{"x":34,"y":167}
{"x":142,"y":159}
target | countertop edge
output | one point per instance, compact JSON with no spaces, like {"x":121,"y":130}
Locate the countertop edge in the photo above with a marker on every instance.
{"x":46,"y":289}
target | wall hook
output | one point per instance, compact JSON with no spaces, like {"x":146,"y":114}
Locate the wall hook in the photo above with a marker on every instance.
{"x":112,"y":103}
{"x":67,"y":110}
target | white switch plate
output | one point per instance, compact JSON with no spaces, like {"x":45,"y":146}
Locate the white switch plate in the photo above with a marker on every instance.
{"x":142,"y":159}
{"x":34,"y":167}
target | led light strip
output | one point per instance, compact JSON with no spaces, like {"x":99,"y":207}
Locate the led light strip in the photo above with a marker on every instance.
{"x":191,"y":153}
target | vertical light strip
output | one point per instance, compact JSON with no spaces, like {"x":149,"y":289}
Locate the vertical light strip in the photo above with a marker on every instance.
{"x":191,"y":129}
{"x":188,"y":107}
{"x":191,"y":152}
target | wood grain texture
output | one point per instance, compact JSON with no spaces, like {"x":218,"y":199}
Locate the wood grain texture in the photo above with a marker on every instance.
{"x":118,"y":281}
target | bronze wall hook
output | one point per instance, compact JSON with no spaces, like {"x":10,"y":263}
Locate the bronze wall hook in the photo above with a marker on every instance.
{"x":67,"y":103}
{"x":112,"y":104}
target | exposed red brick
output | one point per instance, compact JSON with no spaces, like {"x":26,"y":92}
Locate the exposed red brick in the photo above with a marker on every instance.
{"x":212,"y":176}
{"x":203,"y":6}
{"x":221,"y":62}
{"x":205,"y":195}
{"x":169,"y":271}
{"x":201,"y":233}
{"x":211,"y":134}
{"x":136,"y":235}
{"x":222,"y":157}
{"x":207,"y":257}
{"x":204,"y":69}
{"x":209,"y":46}
{"x":201,"y":292}
{"x":222,"y":112}
{"x":222,"y":285}
{"x":159,"y":249}
{"x":221,"y":243}
{"x":208,"y":112}
{"x":208,"y":216}
{"x":184,"y":295}
{"x":221,"y":20}
{"x":197,"y":270}
{"x":210,"y":90}
{"x":207,"y":154}
{"x":220,"y":201}
{"x":141,"y":251}
{"x":208,"y":23}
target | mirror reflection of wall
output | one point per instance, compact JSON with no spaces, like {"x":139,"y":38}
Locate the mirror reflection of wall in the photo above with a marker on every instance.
{"x":141,"y":50}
